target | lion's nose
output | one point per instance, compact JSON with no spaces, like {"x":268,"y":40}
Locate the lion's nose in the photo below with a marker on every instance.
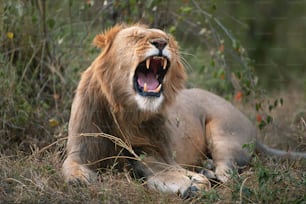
{"x":159,"y":43}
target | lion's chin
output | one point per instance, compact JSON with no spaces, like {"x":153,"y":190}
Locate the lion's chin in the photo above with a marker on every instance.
{"x":150,"y":104}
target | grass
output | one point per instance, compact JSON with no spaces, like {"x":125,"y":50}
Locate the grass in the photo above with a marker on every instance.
{"x":34,"y":177}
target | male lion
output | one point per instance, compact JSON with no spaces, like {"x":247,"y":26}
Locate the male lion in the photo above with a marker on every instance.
{"x":134,"y":91}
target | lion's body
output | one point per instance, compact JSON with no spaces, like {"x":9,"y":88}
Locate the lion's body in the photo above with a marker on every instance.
{"x":135,"y":91}
{"x":202,"y":123}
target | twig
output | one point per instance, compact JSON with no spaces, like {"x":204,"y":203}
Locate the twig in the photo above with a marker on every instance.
{"x":46,"y":147}
{"x":15,"y":180}
{"x":241,"y":188}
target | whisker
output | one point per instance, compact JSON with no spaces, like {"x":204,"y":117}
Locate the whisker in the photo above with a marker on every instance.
{"x":186,"y":53}
{"x":183,"y":60}
{"x":186,"y":64}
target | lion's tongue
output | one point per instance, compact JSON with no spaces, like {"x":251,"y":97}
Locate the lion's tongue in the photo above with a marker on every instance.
{"x":149,"y":79}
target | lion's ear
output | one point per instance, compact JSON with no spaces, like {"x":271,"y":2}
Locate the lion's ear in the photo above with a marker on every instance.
{"x":108,"y":36}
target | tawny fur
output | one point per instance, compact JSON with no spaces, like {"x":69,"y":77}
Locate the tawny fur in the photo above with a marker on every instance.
{"x":187,"y":127}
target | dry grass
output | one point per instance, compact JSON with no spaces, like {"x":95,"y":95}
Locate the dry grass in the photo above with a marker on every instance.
{"x":36,"y":178}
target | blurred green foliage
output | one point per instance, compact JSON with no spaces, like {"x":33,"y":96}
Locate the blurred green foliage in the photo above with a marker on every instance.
{"x":273,"y":34}
{"x":45,"y":45}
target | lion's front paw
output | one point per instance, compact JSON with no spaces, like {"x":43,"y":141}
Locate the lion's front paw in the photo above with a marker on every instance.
{"x":223,"y":172}
{"x":77,"y":174}
{"x":198,"y":182}
{"x":181,"y":181}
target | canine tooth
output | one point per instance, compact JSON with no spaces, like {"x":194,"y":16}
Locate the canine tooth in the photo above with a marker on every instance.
{"x":165,"y":63}
{"x":148,"y":63}
{"x":158,"y":88}
{"x":145,"y":87}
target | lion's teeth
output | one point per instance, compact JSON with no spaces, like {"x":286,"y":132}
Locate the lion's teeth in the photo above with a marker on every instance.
{"x":148,"y":63}
{"x":158,"y":89}
{"x":165,"y":63}
{"x":145,"y":87}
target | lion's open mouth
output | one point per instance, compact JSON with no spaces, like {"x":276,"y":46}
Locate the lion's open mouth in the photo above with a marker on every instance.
{"x":149,"y":76}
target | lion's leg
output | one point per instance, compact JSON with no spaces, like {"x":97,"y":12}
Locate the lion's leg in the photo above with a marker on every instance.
{"x":87,"y":152}
{"x":75,"y":168}
{"x":228,"y":158}
{"x":224,"y":167}
{"x":227,"y":151}
{"x":84,"y":155}
{"x":76,"y":172}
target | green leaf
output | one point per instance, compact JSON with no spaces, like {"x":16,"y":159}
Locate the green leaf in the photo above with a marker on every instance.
{"x":172,"y":29}
{"x":142,"y":156}
{"x":235,"y":44}
{"x":212,"y":62}
{"x":262,"y":124}
{"x":51,"y":23}
{"x":247,"y":191}
{"x":186,"y":9}
{"x":238,"y":74}
{"x":269,"y":119}
{"x":214,"y":7}
{"x":275,"y":103}
{"x":281,"y":101}
{"x":34,"y":19}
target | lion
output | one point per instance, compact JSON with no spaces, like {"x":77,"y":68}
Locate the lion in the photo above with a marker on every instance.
{"x":134,"y":92}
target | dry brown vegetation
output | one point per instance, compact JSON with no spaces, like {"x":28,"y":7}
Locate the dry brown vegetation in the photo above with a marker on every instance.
{"x":35,"y":177}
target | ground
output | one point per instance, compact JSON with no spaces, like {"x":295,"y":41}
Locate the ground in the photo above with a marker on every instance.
{"x":35,"y":177}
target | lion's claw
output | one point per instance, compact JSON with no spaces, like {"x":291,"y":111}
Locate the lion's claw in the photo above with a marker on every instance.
{"x":190,"y":192}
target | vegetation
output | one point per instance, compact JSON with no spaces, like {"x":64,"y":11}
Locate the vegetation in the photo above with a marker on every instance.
{"x":45,"y":45}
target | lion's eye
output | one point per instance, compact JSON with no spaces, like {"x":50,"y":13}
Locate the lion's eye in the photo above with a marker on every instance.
{"x":141,"y":35}
{"x":136,"y":37}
